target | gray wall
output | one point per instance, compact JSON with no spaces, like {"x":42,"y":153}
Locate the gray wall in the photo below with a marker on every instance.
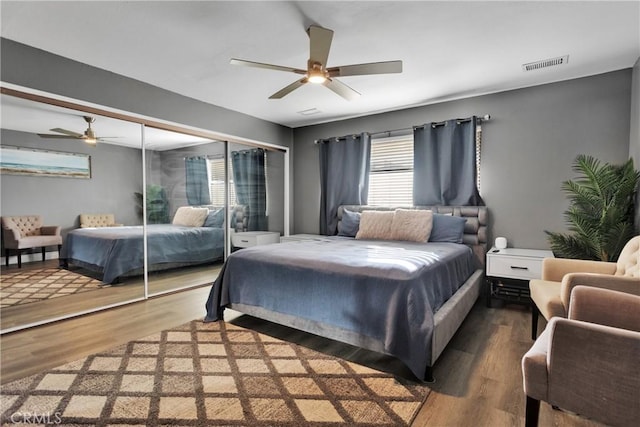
{"x":61,"y":200}
{"x":37,"y":69}
{"x":528,"y":148}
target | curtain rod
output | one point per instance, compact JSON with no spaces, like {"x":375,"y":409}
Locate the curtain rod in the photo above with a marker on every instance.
{"x":483,"y":118}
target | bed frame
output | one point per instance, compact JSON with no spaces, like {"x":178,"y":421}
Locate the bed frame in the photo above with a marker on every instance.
{"x":447,"y":319}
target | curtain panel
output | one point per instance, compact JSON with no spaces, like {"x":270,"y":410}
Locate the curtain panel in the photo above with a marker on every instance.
{"x":344,"y":176}
{"x":197,"y":181}
{"x":249,"y":179}
{"x":444,"y":169}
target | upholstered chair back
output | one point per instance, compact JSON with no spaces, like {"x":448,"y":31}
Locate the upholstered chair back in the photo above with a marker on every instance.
{"x":27,"y":225}
{"x":629,"y":260}
{"x":97,"y":220}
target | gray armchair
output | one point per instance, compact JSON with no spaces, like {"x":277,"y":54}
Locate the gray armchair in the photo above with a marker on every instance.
{"x":588,"y":363}
{"x":25,"y":232}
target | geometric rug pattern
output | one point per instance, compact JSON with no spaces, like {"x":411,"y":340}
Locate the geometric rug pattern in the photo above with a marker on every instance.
{"x":212,"y":374}
{"x":22,"y":287}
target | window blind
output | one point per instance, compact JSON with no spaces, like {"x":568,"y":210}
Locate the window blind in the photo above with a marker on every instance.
{"x":391,"y":174}
{"x":217,"y":184}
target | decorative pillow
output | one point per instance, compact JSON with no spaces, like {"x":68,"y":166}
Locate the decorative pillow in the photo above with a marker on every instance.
{"x":447,"y":228}
{"x":190,"y":217}
{"x":412,"y":225}
{"x":350,"y":223}
{"x":215,"y":218}
{"x":375,"y":225}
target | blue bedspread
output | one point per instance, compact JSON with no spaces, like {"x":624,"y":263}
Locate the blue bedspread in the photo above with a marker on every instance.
{"x":387,"y":291}
{"x":117,"y":250}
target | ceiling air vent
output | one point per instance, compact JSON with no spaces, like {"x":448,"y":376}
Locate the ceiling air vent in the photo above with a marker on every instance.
{"x":561,"y":60}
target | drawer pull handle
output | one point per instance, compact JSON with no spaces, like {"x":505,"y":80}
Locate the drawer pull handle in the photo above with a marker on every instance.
{"x":515,"y":267}
{"x":244,"y":241}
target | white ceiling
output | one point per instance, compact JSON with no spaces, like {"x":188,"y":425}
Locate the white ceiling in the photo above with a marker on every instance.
{"x":450,"y":50}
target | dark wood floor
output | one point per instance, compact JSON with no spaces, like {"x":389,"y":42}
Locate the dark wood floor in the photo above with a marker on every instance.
{"x":478,"y":377}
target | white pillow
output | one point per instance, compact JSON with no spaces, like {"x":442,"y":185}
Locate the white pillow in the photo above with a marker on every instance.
{"x":190,"y":217}
{"x":375,"y":225}
{"x":412,"y":225}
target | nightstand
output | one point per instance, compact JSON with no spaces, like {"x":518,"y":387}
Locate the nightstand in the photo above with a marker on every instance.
{"x":509,"y":271}
{"x":246,"y":239}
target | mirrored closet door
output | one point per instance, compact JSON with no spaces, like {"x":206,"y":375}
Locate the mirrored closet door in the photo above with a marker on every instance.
{"x":78,"y":174}
{"x":138,"y":208}
{"x":185,"y":210}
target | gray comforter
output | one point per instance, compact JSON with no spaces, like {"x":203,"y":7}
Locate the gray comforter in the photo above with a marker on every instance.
{"x":386,"y":291}
{"x":117,"y":250}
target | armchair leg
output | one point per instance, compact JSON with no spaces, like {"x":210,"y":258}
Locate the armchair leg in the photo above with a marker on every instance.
{"x":43,"y":252}
{"x":534,"y":320}
{"x":6,"y":257}
{"x":19,"y":258}
{"x":532,"y":411}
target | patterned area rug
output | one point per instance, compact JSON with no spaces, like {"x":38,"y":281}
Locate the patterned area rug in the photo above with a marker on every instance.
{"x":22,"y":287}
{"x":213,"y":374}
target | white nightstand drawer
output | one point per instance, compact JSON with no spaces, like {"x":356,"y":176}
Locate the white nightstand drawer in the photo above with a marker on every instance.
{"x":514,"y":267}
{"x":247,"y":239}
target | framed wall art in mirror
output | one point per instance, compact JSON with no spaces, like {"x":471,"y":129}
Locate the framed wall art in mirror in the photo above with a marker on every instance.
{"x":46,"y":163}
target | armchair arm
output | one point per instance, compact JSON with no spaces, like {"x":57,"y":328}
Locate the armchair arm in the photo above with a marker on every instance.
{"x":11,"y":236}
{"x":554,"y":269}
{"x":50,"y":230}
{"x":605,"y":307}
{"x":626,"y":284}
{"x":594,"y":370}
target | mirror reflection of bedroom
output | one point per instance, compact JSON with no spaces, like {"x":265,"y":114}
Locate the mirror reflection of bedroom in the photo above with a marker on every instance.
{"x":85,"y":237}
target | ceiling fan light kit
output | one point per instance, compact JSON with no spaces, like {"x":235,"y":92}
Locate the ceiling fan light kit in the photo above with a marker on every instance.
{"x":317,"y":72}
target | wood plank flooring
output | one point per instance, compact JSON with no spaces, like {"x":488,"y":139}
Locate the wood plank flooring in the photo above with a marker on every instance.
{"x":478,"y":377}
{"x":131,"y":289}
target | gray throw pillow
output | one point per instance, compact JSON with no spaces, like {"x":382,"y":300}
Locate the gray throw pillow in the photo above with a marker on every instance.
{"x":447,"y":228}
{"x":350,"y":223}
{"x":215,"y":218}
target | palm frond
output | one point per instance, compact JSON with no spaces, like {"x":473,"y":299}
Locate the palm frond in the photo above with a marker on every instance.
{"x":601,"y":211}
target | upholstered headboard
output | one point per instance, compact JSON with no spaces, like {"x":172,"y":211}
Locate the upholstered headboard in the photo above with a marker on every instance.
{"x":475,"y":229}
{"x":240,"y":218}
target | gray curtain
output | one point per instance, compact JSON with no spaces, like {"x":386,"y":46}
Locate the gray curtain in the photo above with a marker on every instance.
{"x":197,"y":183}
{"x":250,"y":181}
{"x":344,"y":176}
{"x":444,"y":164}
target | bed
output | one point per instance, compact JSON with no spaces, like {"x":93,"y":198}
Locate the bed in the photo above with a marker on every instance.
{"x":115,"y":252}
{"x":401,"y":298}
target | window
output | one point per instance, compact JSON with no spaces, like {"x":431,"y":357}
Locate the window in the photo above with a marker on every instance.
{"x":391,"y":175}
{"x":217,"y":184}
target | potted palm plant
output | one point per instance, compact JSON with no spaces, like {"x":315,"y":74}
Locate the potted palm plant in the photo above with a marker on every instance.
{"x":601,"y":211}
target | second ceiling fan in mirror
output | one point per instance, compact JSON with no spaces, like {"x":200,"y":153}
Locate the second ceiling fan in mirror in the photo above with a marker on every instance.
{"x":89,"y":136}
{"x":317,"y":70}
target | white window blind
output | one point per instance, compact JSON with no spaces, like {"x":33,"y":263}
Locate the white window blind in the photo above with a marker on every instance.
{"x":391,"y":174}
{"x":217,"y":184}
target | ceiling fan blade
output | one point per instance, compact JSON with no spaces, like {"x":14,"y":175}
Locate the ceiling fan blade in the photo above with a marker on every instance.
{"x":244,"y":63}
{"x":319,"y":44}
{"x":288,"y":89}
{"x":341,"y":89}
{"x":387,"y":67}
{"x":49,"y":135}
{"x":67,"y":132}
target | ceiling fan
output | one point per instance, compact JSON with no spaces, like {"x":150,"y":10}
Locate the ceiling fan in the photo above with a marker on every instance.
{"x":89,"y":136}
{"x":317,"y":71}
